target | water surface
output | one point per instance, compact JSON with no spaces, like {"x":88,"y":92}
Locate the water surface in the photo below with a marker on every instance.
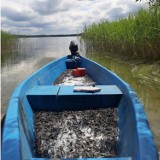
{"x":144,"y":78}
{"x":29,"y":54}
{"x":25,"y":57}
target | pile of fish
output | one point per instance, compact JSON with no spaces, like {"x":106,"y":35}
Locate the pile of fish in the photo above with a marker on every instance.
{"x":76,"y":134}
{"x":67,"y":79}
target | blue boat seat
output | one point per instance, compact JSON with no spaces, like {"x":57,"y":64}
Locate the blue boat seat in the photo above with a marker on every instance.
{"x":43,"y":97}
{"x":58,"y":98}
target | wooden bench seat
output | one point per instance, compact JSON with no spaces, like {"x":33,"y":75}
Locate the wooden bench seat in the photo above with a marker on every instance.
{"x":59,"y":98}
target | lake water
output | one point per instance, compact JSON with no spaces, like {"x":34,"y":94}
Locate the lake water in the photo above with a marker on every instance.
{"x":30,"y":54}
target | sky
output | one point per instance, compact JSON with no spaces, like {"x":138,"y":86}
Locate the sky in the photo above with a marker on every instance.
{"x":34,"y":17}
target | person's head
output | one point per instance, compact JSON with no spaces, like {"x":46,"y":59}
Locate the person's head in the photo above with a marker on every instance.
{"x":73,"y":47}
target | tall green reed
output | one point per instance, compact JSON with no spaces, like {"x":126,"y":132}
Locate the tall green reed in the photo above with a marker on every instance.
{"x":8,"y":40}
{"x":137,"y":35}
{"x":5,"y":36}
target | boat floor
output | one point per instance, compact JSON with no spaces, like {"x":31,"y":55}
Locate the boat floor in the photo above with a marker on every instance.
{"x":76,"y":134}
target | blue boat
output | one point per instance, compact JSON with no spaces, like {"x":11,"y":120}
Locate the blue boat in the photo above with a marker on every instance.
{"x":37,"y":93}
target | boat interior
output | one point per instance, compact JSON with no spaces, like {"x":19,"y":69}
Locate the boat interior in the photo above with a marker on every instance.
{"x":37,"y":93}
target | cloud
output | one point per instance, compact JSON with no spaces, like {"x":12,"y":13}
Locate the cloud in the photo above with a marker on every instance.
{"x":48,"y":7}
{"x":65,"y":16}
{"x":15,"y":15}
{"x":115,"y":13}
{"x":45,"y":7}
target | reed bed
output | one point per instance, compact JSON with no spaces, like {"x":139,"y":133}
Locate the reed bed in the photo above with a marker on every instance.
{"x":138,"y":35}
{"x":7,"y":40}
{"x":5,"y":36}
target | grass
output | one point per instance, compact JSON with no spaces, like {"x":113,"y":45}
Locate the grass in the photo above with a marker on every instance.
{"x":5,"y":36}
{"x":7,"y":41}
{"x":138,"y":35}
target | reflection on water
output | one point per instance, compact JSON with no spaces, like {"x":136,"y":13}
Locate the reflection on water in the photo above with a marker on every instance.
{"x":14,"y":52}
{"x":29,"y":54}
{"x":144,"y":79}
{"x":26,"y":56}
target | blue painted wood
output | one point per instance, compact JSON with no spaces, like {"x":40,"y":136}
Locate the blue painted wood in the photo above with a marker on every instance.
{"x":57,"y":98}
{"x":135,"y":138}
{"x":12,"y":136}
{"x":64,"y":98}
{"x":43,"y":98}
{"x":43,"y":90}
{"x":108,"y":90}
{"x":134,"y":134}
{"x":109,"y":96}
{"x":70,"y":100}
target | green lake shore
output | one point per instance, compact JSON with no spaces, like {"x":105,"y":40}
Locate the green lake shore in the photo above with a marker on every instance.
{"x":136,"y":36}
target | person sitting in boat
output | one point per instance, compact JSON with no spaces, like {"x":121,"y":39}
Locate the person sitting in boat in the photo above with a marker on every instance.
{"x":73,"y":47}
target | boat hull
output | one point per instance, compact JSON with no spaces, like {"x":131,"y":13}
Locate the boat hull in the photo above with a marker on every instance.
{"x":135,"y":139}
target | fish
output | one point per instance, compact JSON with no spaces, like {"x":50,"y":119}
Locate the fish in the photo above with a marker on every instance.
{"x":75,"y":134}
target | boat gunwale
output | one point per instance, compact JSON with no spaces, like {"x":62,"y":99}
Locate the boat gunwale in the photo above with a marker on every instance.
{"x":132,"y":96}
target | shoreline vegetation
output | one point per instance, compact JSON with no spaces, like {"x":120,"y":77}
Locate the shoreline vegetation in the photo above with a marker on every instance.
{"x":5,"y":36}
{"x":8,"y":36}
{"x":56,"y":35}
{"x":7,"y":40}
{"x":136,"y":36}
